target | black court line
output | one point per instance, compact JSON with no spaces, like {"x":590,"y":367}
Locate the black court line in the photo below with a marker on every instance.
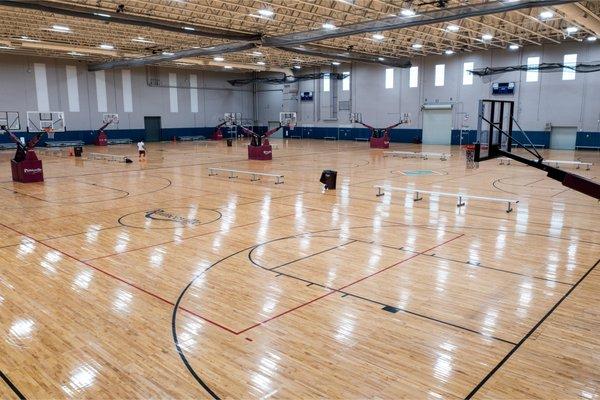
{"x":312,"y":255}
{"x":12,"y":386}
{"x":540,"y":322}
{"x":346,"y":293}
{"x":479,"y":265}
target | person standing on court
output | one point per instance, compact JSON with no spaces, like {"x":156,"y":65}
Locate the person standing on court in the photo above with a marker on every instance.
{"x":141,"y":149}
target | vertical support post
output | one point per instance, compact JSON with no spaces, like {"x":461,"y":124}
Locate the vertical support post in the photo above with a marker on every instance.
{"x":509,"y":208}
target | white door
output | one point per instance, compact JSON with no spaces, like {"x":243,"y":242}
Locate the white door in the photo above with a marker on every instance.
{"x":437,"y":126}
{"x":563,"y":137}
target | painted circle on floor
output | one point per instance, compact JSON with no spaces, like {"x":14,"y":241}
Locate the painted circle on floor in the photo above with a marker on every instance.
{"x":170,"y":218}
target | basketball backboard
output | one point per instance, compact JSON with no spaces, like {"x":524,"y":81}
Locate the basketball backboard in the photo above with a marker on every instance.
{"x":287,"y":118}
{"x":10,"y":120}
{"x":232,"y":118}
{"x":355,"y":118}
{"x":110,"y":119}
{"x":494,"y":128}
{"x":38,"y":121}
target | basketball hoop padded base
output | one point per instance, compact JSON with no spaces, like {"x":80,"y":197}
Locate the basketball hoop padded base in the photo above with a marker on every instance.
{"x":101,"y":139}
{"x":380,"y":143}
{"x":28,"y":170}
{"x":264,"y":152}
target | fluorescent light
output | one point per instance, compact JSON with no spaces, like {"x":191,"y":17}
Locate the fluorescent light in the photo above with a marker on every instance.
{"x":27,"y":39}
{"x":514,"y":46}
{"x":487,"y":36}
{"x":378,"y":36}
{"x":228,"y":67}
{"x":417,"y":46}
{"x":219,"y":59}
{"x":107,"y":46}
{"x":265,"y":12}
{"x":453,"y":28}
{"x":74,"y":53}
{"x":407,"y":12}
{"x":380,"y":59}
{"x":188,"y":28}
{"x":572,"y":29}
{"x":140,"y":39}
{"x":591,"y":38}
{"x":297,"y":67}
{"x":102,"y":15}
{"x":167,"y":53}
{"x":257,"y":53}
{"x":449,"y":52}
{"x":546,"y":14}
{"x":61,"y":28}
{"x":260,"y":63}
{"x":335,"y":63}
{"x":328,"y":25}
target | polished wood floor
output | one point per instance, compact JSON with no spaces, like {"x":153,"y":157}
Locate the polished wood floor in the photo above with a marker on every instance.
{"x":155,"y":280}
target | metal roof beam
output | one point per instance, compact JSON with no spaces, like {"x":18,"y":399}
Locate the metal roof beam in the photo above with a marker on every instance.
{"x":101,"y":14}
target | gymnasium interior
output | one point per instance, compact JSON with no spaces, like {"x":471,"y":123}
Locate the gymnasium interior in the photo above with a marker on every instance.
{"x":300,"y":199}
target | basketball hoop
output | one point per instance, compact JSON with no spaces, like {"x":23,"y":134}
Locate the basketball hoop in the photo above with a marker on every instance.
{"x":50,"y":133}
{"x":470,"y":155}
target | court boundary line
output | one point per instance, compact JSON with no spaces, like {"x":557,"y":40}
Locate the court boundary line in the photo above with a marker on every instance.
{"x":531,"y":331}
{"x":12,"y":386}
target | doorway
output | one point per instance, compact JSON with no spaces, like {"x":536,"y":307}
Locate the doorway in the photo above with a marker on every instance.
{"x":563,"y":137}
{"x":152,"y":126}
{"x":437,"y":126}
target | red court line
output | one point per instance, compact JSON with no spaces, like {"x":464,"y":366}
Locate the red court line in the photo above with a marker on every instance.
{"x":348,"y":285}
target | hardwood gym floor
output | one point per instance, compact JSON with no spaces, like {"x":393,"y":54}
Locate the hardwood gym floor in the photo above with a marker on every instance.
{"x":154,"y":280}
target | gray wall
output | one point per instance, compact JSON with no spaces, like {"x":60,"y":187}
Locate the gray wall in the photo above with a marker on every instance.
{"x":550,"y":100}
{"x":215,"y":95}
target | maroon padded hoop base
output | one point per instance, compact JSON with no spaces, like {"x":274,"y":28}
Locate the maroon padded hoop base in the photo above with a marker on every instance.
{"x":379,"y":143}
{"x":28,"y":170}
{"x":101,"y":139}
{"x":264,"y":152}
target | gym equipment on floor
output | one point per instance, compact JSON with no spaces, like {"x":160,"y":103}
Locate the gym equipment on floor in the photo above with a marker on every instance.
{"x":101,"y":138}
{"x":380,"y":137}
{"x":254,"y":176}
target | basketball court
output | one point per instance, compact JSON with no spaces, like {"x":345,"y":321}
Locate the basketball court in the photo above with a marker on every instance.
{"x":217,"y":265}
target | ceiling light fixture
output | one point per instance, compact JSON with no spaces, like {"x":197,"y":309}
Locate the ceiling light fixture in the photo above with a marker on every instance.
{"x":513,"y":46}
{"x":546,"y":14}
{"x":335,"y":63}
{"x":378,"y":36}
{"x":61,"y":28}
{"x":102,"y":15}
{"x":329,"y":26}
{"x":572,"y":29}
{"x":219,"y":59}
{"x":449,"y":52}
{"x":408,"y":12}
{"x":591,"y":38}
{"x":380,"y":59}
{"x":228,"y":67}
{"x":265,"y":12}
{"x":107,"y":47}
{"x":297,"y":67}
{"x":167,"y":53}
{"x":260,"y":63}
{"x":417,"y":46}
{"x":188,"y":28}
{"x":487,"y":36}
{"x":453,"y":28}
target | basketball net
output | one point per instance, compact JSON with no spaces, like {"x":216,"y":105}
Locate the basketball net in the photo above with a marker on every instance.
{"x":49,"y":132}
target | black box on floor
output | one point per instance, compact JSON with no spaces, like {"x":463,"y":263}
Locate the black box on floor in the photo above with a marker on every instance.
{"x":229,"y":142}
{"x":329,"y":178}
{"x":77,"y":150}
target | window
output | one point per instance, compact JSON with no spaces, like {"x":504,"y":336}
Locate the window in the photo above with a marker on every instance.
{"x":326,"y":83}
{"x":346,"y":81}
{"x":413,"y":77}
{"x":532,"y":72}
{"x":389,"y":78}
{"x":467,"y":75}
{"x":440,"y":70}
{"x":570,"y":61}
